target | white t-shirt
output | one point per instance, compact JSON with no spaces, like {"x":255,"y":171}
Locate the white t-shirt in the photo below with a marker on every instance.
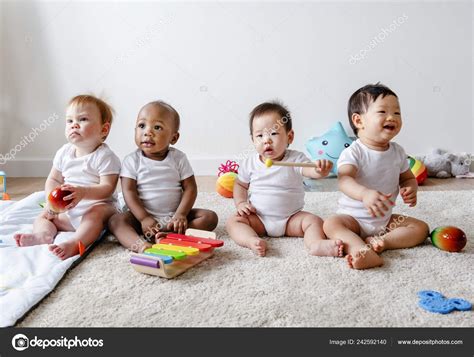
{"x":158,"y":182}
{"x":277,"y":190}
{"x":86,"y":171}
{"x":377,"y":170}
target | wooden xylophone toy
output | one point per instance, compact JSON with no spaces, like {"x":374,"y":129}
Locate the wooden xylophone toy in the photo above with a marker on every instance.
{"x":176,"y":253}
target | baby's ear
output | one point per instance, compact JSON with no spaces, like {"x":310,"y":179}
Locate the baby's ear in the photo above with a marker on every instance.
{"x":357,"y":120}
{"x":175,"y":138}
{"x":105,"y":129}
{"x":291,"y":136}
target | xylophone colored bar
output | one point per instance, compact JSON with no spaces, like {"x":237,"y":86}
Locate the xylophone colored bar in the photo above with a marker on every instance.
{"x":176,"y":253}
{"x":186,"y":238}
{"x":200,"y":246}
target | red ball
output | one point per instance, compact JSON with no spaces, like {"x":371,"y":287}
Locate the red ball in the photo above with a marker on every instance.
{"x":448,"y":238}
{"x":57,"y":204}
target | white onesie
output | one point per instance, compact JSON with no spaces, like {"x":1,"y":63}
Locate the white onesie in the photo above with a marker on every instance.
{"x":158,"y":182}
{"x":377,"y":170}
{"x":276,"y":192}
{"x":86,"y":171}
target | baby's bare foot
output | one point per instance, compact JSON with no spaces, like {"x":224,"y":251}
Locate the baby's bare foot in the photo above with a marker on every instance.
{"x":28,"y":239}
{"x":327,"y":248}
{"x":65,"y":250}
{"x":377,"y":243}
{"x":364,"y":260}
{"x":258,"y":246}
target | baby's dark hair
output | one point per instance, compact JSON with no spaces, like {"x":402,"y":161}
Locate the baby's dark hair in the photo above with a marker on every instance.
{"x":169,"y":110}
{"x":273,"y":106}
{"x":359,"y":101}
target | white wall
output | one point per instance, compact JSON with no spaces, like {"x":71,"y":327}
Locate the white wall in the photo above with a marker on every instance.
{"x":215,"y":61}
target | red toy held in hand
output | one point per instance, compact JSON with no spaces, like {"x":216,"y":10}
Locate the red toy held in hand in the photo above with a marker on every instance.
{"x":57,"y":204}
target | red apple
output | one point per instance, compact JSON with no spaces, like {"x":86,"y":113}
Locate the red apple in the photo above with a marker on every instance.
{"x":57,"y":204}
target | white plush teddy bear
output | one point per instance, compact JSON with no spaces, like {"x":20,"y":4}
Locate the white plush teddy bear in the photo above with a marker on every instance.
{"x":440,"y":164}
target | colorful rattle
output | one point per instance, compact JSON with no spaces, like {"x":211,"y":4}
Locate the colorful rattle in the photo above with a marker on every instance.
{"x":418,"y":169}
{"x":176,"y":253}
{"x":270,"y":163}
{"x":226,"y":178}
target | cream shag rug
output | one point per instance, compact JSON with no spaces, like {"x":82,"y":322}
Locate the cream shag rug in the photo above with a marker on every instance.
{"x":287,"y":288}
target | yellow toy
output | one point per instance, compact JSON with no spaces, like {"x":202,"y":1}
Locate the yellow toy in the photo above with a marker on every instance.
{"x":227,"y":175}
{"x":3,"y":186}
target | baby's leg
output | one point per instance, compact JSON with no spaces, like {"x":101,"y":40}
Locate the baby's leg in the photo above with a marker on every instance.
{"x":44,"y":230}
{"x":346,"y":228}
{"x":199,"y":218}
{"x":92,"y":223}
{"x":402,"y":232}
{"x":311,"y":227}
{"x":245,"y":231}
{"x":125,"y":226}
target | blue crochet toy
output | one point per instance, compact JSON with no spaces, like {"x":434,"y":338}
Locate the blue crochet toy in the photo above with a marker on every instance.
{"x":329,"y":145}
{"x":433,"y":301}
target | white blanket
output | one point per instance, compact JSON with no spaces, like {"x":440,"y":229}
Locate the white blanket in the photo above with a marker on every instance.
{"x":27,"y":274}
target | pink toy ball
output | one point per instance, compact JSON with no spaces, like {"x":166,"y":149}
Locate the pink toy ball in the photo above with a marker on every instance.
{"x":448,"y":238}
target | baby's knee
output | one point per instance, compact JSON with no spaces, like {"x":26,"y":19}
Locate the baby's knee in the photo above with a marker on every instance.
{"x":233,"y":220}
{"x":330,"y":224}
{"x":117,"y":219}
{"x":422,"y":229}
{"x":212,"y":219}
{"x":100,"y":213}
{"x":316,"y":220}
{"x":313,"y":221}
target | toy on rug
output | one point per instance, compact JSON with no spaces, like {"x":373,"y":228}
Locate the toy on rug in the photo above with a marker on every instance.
{"x":433,"y":301}
{"x":418,"y":169}
{"x":227,"y":175}
{"x":176,"y":253}
{"x":448,"y":238}
{"x":329,"y":145}
{"x":440,"y":164}
{"x":57,"y":204}
{"x":3,"y":186}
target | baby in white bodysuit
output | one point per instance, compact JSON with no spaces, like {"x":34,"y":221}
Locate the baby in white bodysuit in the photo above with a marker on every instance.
{"x":371,"y":173}
{"x":88,"y":169}
{"x":158,"y":184}
{"x":270,"y":200}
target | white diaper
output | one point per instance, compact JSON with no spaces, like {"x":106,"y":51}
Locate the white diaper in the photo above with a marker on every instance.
{"x":274,"y":225}
{"x":163,"y":223}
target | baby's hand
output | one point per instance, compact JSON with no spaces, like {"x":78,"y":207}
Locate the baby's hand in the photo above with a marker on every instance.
{"x":409,"y":195}
{"x":377,"y":202}
{"x":245,"y":209}
{"x":149,"y":227}
{"x":178,"y":223}
{"x":323,"y":167}
{"x":78,"y":193}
